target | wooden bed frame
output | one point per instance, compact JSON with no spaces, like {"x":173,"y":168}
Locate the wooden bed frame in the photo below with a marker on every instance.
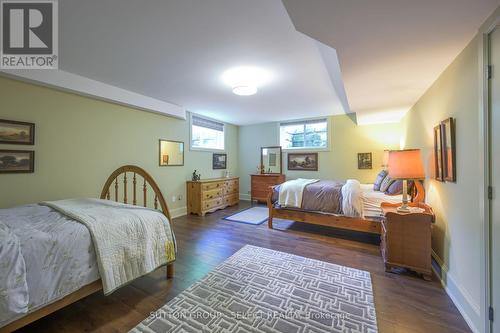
{"x":113,"y":180}
{"x":331,"y":220}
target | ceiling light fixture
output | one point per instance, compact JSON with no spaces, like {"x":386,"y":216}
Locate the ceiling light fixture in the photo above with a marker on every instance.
{"x":245,"y":90}
{"x":245,"y":80}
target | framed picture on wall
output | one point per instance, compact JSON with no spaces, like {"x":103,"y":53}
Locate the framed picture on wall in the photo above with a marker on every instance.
{"x":303,"y":161}
{"x":17,"y":161}
{"x":365,"y":160}
{"x":448,"y":138}
{"x":438,"y":153}
{"x":17,"y":132}
{"x":219,"y":161}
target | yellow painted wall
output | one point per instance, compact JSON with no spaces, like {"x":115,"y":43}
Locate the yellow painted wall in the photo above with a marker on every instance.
{"x":456,"y":238}
{"x":80,"y":141}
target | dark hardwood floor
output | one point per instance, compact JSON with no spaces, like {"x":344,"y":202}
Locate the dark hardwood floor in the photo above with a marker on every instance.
{"x":404,"y":302}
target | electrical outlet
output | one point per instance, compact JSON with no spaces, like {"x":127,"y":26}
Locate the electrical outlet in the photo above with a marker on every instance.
{"x":179,"y":197}
{"x":173,"y":198}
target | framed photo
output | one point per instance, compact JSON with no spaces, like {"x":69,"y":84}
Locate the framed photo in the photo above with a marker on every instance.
{"x":303,"y":161}
{"x":438,"y":153}
{"x":17,"y":161}
{"x":219,"y":161}
{"x":449,"y":152}
{"x":365,"y":160}
{"x":17,"y":132}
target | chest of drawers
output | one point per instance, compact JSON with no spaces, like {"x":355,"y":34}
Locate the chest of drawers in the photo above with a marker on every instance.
{"x":260,"y":185}
{"x":208,"y":195}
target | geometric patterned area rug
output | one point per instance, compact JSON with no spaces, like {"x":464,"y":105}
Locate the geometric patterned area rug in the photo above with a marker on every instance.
{"x":261,"y":290}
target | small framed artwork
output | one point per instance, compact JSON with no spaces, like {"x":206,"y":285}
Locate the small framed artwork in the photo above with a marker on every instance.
{"x":365,"y":160}
{"x":438,"y":153}
{"x":17,"y":161}
{"x":303,"y":161}
{"x":17,"y":132}
{"x":219,"y":161}
{"x":448,"y":138}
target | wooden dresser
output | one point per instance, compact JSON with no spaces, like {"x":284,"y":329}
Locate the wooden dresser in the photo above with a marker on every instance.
{"x":260,"y":185}
{"x":208,"y":195}
{"x":406,"y":238}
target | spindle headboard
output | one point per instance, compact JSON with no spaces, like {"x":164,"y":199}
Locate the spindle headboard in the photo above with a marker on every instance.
{"x":146,"y":179}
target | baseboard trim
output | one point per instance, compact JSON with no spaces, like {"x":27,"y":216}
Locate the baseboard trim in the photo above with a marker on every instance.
{"x":244,"y":197}
{"x":178,"y":212}
{"x":469,"y":310}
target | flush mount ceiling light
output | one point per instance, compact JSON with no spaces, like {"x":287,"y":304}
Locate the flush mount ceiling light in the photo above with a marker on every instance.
{"x":245,"y":80}
{"x":245,"y":90}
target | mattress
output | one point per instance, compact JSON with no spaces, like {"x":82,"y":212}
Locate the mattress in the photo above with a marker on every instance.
{"x":372,"y":199}
{"x":58,"y":254}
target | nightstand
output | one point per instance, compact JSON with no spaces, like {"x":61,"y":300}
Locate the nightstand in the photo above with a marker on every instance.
{"x":406,"y":238}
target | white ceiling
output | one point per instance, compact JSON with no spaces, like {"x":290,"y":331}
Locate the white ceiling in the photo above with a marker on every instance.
{"x":390,"y":51}
{"x":375,"y":58}
{"x":176,"y":51}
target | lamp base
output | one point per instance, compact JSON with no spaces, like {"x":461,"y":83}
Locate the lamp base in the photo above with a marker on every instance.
{"x":403,"y":209}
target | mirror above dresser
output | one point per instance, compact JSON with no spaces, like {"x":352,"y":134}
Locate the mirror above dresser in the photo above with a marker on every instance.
{"x":270,"y":160}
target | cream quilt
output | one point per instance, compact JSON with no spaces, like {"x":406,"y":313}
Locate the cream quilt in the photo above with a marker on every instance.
{"x":129,"y":241}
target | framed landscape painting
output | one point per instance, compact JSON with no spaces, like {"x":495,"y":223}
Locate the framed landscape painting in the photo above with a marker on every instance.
{"x":303,"y":161}
{"x":17,"y":161}
{"x":17,"y":132}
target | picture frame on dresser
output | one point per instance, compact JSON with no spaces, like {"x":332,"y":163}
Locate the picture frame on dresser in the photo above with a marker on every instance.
{"x":17,"y":132}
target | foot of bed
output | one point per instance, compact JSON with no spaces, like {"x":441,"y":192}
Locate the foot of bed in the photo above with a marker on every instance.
{"x":170,"y":271}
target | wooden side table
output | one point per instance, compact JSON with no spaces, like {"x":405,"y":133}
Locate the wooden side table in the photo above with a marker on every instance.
{"x":406,"y":238}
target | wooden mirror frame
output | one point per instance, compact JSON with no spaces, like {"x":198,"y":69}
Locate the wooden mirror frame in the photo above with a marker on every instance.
{"x":262,"y":161}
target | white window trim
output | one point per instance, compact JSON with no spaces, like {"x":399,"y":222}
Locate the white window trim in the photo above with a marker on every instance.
{"x":328,"y":135}
{"x":213,"y":150}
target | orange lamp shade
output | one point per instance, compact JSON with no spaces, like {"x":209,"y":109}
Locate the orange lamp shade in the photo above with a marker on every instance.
{"x":406,"y":164}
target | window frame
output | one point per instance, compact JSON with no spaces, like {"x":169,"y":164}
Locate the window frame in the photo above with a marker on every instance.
{"x":311,"y":149}
{"x":216,"y":150}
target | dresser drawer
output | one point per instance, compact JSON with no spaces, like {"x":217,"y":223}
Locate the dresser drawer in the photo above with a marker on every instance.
{"x":212,"y":186}
{"x":209,"y":204}
{"x":232,"y":188}
{"x":212,"y":194}
{"x":232,"y":199}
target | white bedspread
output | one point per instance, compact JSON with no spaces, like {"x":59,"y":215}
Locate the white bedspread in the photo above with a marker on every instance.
{"x":129,"y":241}
{"x":14,"y":296}
{"x":372,"y":200}
{"x":58,"y":257}
{"x":290,"y":194}
{"x":352,"y":204}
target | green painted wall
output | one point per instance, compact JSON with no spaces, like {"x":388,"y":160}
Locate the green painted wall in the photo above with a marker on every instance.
{"x":340,"y":162}
{"x":80,"y":141}
{"x":456,"y":238}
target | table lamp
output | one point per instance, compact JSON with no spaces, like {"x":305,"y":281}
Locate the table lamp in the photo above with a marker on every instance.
{"x":406,"y":164}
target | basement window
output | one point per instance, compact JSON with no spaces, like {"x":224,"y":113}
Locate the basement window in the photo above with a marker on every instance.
{"x":206,"y":134}
{"x":309,"y":134}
